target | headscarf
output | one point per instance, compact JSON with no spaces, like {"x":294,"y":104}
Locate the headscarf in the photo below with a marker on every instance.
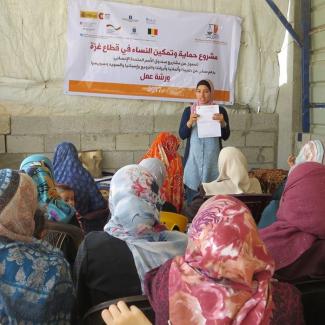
{"x":135,"y":219}
{"x":68,"y":170}
{"x":300,"y":218}
{"x":165,"y":148}
{"x":313,"y":150}
{"x":156,"y":168}
{"x":233,"y":175}
{"x":224,"y":277}
{"x":39,"y":169}
{"x":208,"y":84}
{"x":34,"y":276}
{"x":18,"y":203}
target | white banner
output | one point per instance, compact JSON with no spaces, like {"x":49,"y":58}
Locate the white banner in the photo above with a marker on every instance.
{"x":128,"y":51}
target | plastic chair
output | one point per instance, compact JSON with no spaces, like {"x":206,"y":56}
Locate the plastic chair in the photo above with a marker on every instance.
{"x":93,"y":315}
{"x":173,"y":221}
{"x":255,"y":202}
{"x":65,"y":237}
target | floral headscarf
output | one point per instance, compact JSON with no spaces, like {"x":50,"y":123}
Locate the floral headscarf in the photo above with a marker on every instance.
{"x":224,"y":277}
{"x":313,"y":150}
{"x":165,"y":148}
{"x":18,"y":203}
{"x":135,"y":219}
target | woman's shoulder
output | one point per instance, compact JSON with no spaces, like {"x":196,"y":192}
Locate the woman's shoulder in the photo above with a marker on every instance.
{"x":36,"y":255}
{"x":95,"y":241}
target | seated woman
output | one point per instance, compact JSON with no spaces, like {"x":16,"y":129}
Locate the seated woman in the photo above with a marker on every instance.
{"x":68,"y":170}
{"x":40,"y":169}
{"x":233,"y":179}
{"x":165,"y":148}
{"x":35,"y":283}
{"x":312,"y":151}
{"x":233,"y":175}
{"x":296,"y":238}
{"x":112,"y":263}
{"x":225,"y":276}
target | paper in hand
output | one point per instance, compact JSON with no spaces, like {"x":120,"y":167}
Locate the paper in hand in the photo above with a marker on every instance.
{"x":206,"y":126}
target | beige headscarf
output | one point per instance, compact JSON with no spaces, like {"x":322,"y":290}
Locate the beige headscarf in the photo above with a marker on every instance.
{"x":18,"y":203}
{"x":233,"y":175}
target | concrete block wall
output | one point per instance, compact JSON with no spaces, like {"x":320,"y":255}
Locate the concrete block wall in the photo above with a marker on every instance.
{"x":124,"y":139}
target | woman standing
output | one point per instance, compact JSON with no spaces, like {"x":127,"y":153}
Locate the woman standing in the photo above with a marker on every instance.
{"x":201,"y":154}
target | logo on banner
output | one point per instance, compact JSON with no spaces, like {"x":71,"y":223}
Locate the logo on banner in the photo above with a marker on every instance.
{"x":212,"y":31}
{"x":94,"y":15}
{"x":112,"y":29}
{"x":153,"y":31}
{"x":134,"y":31}
{"x":131,"y":19}
{"x":151,"y":21}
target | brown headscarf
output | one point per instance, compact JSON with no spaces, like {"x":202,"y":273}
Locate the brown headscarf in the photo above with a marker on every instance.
{"x":18,"y":203}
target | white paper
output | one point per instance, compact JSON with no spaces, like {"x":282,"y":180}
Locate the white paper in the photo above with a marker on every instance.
{"x":206,"y":126}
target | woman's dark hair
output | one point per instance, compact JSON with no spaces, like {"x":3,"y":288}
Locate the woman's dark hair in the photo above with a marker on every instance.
{"x":204,"y":83}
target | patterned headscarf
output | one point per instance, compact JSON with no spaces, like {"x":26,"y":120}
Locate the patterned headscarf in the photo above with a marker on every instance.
{"x":135,"y":219}
{"x":224,"y":277}
{"x":311,"y":151}
{"x":18,"y":203}
{"x":156,"y":168}
{"x":165,"y":148}
{"x":233,"y":175}
{"x":38,"y":168}
{"x":300,"y":218}
{"x":68,"y":170}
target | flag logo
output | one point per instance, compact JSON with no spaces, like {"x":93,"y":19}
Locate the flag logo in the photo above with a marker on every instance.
{"x":153,"y":31}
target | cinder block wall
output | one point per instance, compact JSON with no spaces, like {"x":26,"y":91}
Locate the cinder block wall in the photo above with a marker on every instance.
{"x":124,"y":139}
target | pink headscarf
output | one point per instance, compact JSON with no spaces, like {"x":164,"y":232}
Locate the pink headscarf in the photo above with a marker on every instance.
{"x":197,"y":103}
{"x":224,"y":277}
{"x":300,"y":218}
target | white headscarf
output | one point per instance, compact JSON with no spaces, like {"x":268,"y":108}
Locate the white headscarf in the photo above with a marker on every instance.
{"x":233,"y":175}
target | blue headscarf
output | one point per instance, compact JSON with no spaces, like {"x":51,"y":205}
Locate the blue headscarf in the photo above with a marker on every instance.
{"x":34,"y":277}
{"x":68,"y":170}
{"x":134,"y":219}
{"x":39,"y":168}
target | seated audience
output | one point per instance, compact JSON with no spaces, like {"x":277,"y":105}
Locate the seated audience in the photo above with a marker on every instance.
{"x":121,"y":314}
{"x":225,"y":276}
{"x":68,"y":170}
{"x":165,"y":147}
{"x":233,"y":175}
{"x":40,"y":169}
{"x":296,"y":238}
{"x":112,"y":263}
{"x":233,"y":179}
{"x":35,"y":283}
{"x":312,"y":151}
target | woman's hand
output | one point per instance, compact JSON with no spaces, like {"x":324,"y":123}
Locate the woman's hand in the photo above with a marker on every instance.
{"x":291,"y":160}
{"x":192,"y":120}
{"x":219,"y":117}
{"x":121,"y":314}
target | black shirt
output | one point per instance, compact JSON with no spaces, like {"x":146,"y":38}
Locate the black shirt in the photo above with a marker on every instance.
{"x":104,"y":270}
